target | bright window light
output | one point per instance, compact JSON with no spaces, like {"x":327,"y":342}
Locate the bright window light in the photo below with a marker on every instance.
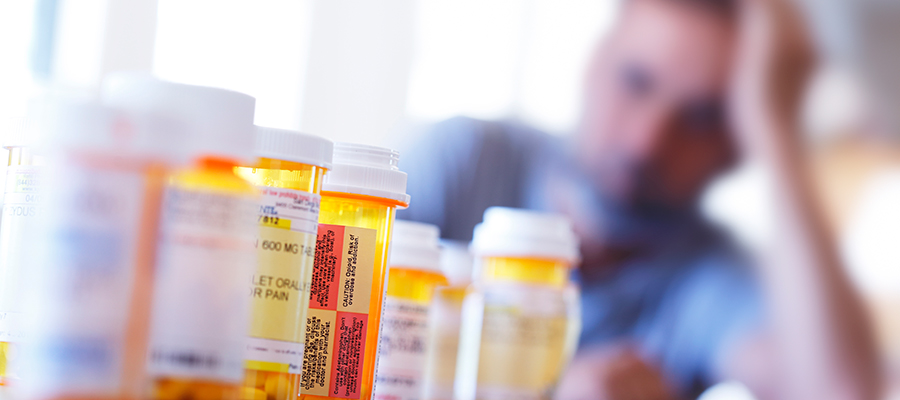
{"x":254,"y":47}
{"x":501,"y":59}
{"x":16,"y":26}
{"x":466,"y":58}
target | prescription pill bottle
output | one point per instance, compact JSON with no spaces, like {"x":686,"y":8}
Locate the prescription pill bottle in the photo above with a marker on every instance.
{"x":415,"y":272}
{"x":205,"y":253}
{"x":90,"y":288}
{"x":444,"y":319}
{"x":289,"y":176}
{"x":515,"y":334}
{"x":21,"y":204}
{"x":360,"y":197}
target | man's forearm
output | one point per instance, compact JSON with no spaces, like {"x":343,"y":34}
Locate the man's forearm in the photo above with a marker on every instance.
{"x":823,"y":335}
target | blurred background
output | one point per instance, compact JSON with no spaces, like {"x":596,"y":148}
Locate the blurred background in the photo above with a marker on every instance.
{"x":370,"y":72}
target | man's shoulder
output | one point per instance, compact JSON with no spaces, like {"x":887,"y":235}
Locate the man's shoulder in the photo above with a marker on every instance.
{"x":719,"y":274}
{"x":499,"y":134}
{"x":461,"y":166}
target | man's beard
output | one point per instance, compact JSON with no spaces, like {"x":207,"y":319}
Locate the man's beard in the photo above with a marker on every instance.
{"x":635,"y":206}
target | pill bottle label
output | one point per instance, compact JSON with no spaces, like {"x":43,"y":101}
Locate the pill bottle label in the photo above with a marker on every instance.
{"x":401,"y":349}
{"x":338,"y":314}
{"x":91,"y":235}
{"x":205,"y":259}
{"x":523,"y":329}
{"x":20,"y":210}
{"x":443,"y":344}
{"x":279,"y":288}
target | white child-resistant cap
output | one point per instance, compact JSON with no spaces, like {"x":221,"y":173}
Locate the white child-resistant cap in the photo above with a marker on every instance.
{"x":80,"y":125}
{"x":84,"y":126}
{"x":456,"y":262}
{"x":294,"y":146}
{"x":24,"y":129}
{"x":415,"y":245}
{"x":17,"y":131}
{"x":510,"y":232}
{"x":367,"y":170}
{"x":217,"y":122}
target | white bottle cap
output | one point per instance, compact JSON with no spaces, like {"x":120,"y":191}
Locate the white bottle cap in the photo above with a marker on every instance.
{"x":17,"y":132}
{"x":217,"y":122}
{"x":25,"y":129}
{"x":367,"y":170}
{"x":79,"y":125}
{"x":457,"y":262}
{"x":509,"y":232}
{"x":294,"y":146}
{"x":415,"y":245}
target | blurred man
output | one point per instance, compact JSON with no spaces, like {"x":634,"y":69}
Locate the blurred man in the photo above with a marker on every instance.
{"x":676,"y":94}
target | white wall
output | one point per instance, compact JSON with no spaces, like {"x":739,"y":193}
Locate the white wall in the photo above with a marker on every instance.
{"x":358,"y":69}
{"x":259,"y":48}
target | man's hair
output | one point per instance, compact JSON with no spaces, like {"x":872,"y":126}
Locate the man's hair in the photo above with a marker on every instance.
{"x":726,"y":7}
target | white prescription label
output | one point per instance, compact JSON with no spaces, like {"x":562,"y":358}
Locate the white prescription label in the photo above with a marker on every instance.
{"x":20,"y":209}
{"x":402,"y":351}
{"x":90,"y":231}
{"x":11,"y":326}
{"x":279,"y":288}
{"x":205,"y":259}
{"x":292,"y":209}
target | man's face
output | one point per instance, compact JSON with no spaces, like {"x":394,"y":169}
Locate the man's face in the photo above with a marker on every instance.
{"x":654,"y":130}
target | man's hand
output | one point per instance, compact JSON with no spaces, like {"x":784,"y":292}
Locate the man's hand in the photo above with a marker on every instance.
{"x":774,"y":63}
{"x":612,"y":373}
{"x":821,"y":341}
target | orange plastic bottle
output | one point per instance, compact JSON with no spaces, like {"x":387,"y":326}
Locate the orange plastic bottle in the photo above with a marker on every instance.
{"x":517,"y":322}
{"x":359,"y":200}
{"x":414,"y":274}
{"x":205,"y":250}
{"x":289,"y":175}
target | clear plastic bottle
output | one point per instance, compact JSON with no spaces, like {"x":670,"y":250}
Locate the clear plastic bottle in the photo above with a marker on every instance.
{"x":415,"y":272}
{"x":516,"y":334}
{"x":359,"y":201}
{"x":444,"y":320}
{"x":205,"y":253}
{"x":91,"y":290}
{"x":289,"y":174}
{"x":20,"y":210}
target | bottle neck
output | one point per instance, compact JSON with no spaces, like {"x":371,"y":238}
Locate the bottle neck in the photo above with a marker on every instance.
{"x":548,"y":272}
{"x":284,"y":174}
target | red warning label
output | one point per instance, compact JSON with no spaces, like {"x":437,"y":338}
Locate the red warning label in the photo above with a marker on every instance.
{"x":326,"y":272}
{"x":338,"y":317}
{"x":346,"y":373}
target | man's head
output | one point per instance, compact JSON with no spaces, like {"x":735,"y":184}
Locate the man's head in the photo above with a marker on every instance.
{"x":654,"y":129}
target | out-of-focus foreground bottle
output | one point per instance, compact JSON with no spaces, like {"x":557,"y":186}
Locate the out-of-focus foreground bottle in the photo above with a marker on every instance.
{"x":517,"y":335}
{"x":360,"y":197}
{"x":20,"y":210}
{"x":205,"y":252}
{"x":91,"y":285}
{"x":415,"y":272}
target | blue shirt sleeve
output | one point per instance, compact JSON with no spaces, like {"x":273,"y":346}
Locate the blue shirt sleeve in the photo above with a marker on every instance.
{"x":699,"y":316}
{"x":460,"y":167}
